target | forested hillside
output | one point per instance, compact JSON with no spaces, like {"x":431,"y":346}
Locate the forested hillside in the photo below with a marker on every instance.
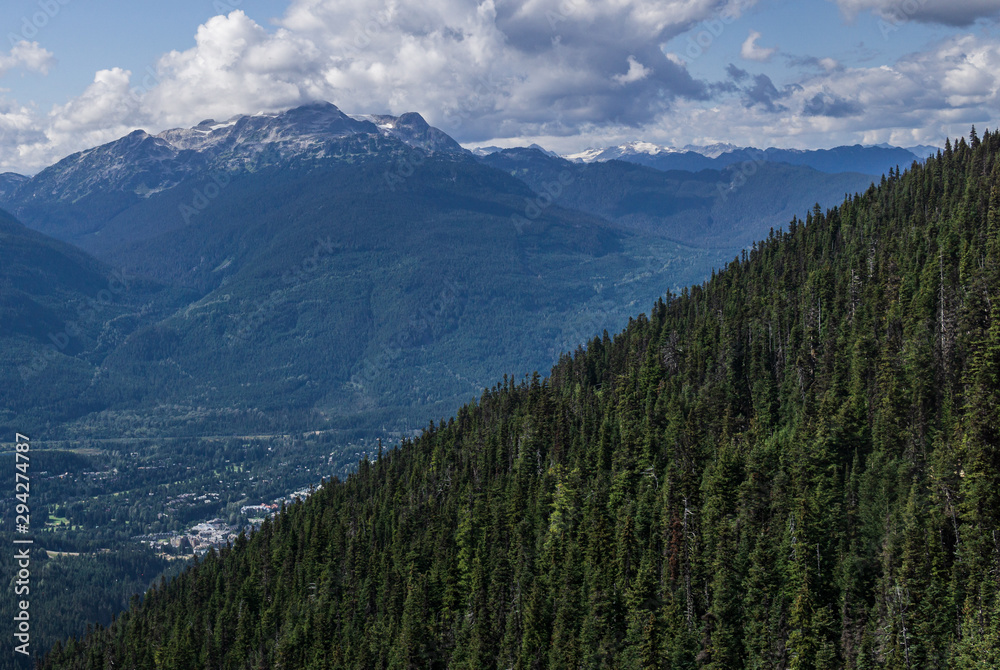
{"x":795,"y":465}
{"x":61,"y":312}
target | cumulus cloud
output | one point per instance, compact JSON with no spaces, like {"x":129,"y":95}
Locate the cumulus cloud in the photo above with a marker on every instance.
{"x":481,"y":69}
{"x":636,"y":72}
{"x":18,"y":131}
{"x":750,"y":50}
{"x":235,"y":67}
{"x":564,"y":73}
{"x":28,"y":55}
{"x":919,"y":98}
{"x":103,"y":112}
{"x":947,"y":12}
{"x":477,"y":68}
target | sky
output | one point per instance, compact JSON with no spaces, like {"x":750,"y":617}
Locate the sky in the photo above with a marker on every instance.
{"x":566,"y":74}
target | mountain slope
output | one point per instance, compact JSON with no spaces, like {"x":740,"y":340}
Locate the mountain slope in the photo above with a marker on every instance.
{"x":324,"y":294}
{"x":9,"y":181}
{"x":794,"y":465}
{"x":78,"y":198}
{"x":338,"y":269}
{"x":62,"y":312}
{"x":729,"y":208}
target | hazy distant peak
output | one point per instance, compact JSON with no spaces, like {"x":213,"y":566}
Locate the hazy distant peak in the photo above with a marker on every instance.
{"x":870,"y":160}
{"x":633,"y":148}
{"x":713,"y":150}
{"x":545,"y":151}
{"x":485,"y":151}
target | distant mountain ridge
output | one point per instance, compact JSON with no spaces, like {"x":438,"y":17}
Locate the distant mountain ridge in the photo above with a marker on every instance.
{"x":9,"y":181}
{"x":729,"y":206}
{"x":870,"y":160}
{"x":369,"y":218}
{"x":74,"y":199}
{"x":140,"y":165}
{"x":309,"y":132}
{"x":319,"y":295}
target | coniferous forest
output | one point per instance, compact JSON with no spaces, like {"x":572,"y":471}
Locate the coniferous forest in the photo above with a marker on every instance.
{"x":795,"y":465}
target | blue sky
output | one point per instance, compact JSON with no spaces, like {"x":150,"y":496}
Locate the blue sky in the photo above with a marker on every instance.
{"x":85,"y":37}
{"x":567,"y":74}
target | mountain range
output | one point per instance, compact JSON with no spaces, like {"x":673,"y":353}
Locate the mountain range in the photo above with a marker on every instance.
{"x":871,"y":160}
{"x":795,"y":464}
{"x":294,"y":255}
{"x":302,"y":269}
{"x":727,"y":208}
{"x":319,"y":282}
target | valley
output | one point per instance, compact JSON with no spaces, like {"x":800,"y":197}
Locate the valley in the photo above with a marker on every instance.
{"x":255,"y":306}
{"x":792,"y":464}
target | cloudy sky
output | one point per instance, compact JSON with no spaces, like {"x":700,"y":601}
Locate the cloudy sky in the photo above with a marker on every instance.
{"x":568,"y":74}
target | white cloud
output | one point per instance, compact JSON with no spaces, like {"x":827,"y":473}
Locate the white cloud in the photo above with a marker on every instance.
{"x":636,"y":72}
{"x":750,"y":50}
{"x":28,"y":55}
{"x":477,"y":68}
{"x":921,"y":98}
{"x":235,"y":67}
{"x":947,"y":12}
{"x":552,"y":71}
{"x":105,"y":102}
{"x":105,"y":111}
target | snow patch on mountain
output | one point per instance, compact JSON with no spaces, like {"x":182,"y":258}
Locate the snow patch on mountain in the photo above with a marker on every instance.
{"x":643,"y":148}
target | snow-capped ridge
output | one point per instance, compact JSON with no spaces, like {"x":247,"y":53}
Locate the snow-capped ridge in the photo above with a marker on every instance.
{"x":146,"y":164}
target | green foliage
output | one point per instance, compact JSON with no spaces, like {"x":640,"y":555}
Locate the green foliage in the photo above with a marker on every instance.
{"x":70,"y":591}
{"x":322,"y":297}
